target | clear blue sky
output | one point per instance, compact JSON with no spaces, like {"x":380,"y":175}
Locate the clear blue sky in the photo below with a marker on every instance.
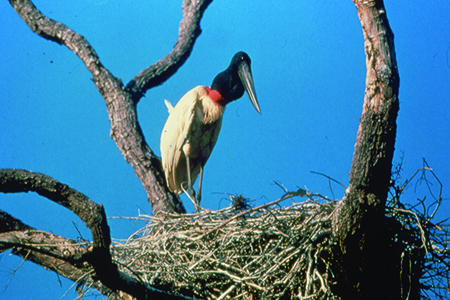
{"x":308,"y":65}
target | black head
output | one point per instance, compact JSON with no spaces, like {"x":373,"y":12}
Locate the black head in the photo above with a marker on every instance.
{"x":232,"y":82}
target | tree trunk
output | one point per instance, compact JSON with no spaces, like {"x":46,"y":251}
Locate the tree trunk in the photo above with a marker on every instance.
{"x":365,"y":268}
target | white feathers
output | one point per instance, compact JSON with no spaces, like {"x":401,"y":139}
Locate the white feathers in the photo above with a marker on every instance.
{"x":191,"y":129}
{"x":169,"y":105}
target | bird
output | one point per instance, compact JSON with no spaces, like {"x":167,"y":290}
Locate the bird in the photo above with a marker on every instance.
{"x":192,"y":128}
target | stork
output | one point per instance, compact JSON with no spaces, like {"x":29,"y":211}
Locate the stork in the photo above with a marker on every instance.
{"x":193,"y":125}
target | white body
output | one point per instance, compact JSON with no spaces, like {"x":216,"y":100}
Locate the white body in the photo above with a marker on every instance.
{"x":191,"y":130}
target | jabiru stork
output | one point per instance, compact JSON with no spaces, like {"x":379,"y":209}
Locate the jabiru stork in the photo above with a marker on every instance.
{"x":193,"y":125}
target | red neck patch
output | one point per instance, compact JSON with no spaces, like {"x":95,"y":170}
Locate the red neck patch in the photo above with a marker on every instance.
{"x":216,"y":97}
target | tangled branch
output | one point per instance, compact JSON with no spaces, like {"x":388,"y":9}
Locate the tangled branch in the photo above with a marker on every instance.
{"x":427,"y":251}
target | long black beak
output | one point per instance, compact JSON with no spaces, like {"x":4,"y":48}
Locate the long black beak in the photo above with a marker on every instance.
{"x":245,"y":74}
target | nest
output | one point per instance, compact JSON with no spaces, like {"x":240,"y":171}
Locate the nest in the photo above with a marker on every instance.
{"x":267,"y":252}
{"x":273,"y":252}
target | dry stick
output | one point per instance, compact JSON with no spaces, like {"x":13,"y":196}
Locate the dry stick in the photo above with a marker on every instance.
{"x":411,"y":178}
{"x":227,"y":292}
{"x":314,"y":172}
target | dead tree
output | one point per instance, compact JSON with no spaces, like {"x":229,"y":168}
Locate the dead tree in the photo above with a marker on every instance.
{"x":358,"y":223}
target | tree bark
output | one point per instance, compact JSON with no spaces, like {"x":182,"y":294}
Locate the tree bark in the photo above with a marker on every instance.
{"x":59,"y":254}
{"x":362,"y":264}
{"x":65,"y":256}
{"x":121,"y":101}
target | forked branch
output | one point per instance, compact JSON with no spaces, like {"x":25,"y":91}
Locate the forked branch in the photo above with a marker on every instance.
{"x":188,"y":32}
{"x":120,"y":100}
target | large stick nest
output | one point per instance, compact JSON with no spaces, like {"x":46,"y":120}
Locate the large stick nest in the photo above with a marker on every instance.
{"x":270,"y":252}
{"x":262,"y":253}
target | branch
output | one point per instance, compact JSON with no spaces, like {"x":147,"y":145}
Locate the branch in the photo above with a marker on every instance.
{"x":359,"y":226}
{"x":121,"y":102}
{"x":50,"y":251}
{"x":188,"y":32}
{"x":62,"y":255}
{"x":370,"y":172}
{"x":377,"y":130}
{"x":18,"y":181}
{"x":93,"y":214}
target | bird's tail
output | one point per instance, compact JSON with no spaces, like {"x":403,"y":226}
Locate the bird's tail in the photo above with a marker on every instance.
{"x":169,"y":105}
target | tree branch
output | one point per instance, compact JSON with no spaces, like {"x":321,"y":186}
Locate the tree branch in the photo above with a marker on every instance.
{"x":65,"y":256}
{"x":359,"y":219}
{"x":18,"y":181}
{"x":93,"y":214}
{"x":188,"y":32}
{"x":374,"y":149}
{"x":120,"y":101}
{"x":50,"y":251}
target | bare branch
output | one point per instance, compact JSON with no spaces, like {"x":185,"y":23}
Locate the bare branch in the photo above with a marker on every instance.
{"x":329,"y":178}
{"x":18,"y":181}
{"x":372,"y":160}
{"x":359,"y":224}
{"x":188,"y":32}
{"x":50,"y":251}
{"x":22,"y":181}
{"x":39,"y":246}
{"x":121,"y":102}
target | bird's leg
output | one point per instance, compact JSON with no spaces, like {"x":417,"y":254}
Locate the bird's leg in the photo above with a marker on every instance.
{"x":190,"y":189}
{"x":199,"y":192}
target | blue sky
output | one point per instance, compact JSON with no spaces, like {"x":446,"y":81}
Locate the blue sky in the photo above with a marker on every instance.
{"x":308,"y":65}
